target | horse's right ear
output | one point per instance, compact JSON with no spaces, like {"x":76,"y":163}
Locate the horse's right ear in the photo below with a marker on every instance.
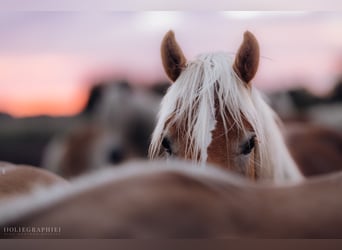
{"x":173,"y":58}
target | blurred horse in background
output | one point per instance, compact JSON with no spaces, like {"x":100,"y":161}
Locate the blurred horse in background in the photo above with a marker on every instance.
{"x":177,"y":199}
{"x":312,"y":128}
{"x":317,"y":149}
{"x":301,"y":105}
{"x":119,"y":128}
{"x":17,"y":180}
{"x":212,"y":113}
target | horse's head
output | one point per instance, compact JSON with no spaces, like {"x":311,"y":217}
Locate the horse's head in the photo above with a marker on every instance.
{"x":212,"y":113}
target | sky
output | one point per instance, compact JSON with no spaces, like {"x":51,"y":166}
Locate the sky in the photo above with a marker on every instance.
{"x":119,"y":5}
{"x":49,"y":58}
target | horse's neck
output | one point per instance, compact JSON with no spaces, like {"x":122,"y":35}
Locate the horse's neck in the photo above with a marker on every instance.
{"x":310,"y":209}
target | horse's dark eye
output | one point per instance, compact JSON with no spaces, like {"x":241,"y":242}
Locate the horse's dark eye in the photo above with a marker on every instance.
{"x":167,"y":145}
{"x":248,"y":146}
{"x":116,"y":156}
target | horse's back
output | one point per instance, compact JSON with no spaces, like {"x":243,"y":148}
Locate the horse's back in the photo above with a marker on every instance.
{"x":181,"y":203}
{"x":21,"y":179}
{"x":161,"y":203}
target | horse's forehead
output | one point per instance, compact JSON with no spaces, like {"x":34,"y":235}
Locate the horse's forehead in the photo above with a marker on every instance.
{"x":224,"y":125}
{"x":208,"y":78}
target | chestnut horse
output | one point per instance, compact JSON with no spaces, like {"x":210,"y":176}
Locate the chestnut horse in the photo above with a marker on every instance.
{"x":212,"y":113}
{"x":119,"y":130}
{"x":176,"y":199}
{"x":16,"y":180}
{"x":316,"y":149}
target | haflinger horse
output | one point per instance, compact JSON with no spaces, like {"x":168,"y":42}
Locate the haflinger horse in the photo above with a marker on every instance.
{"x":119,"y":130}
{"x":17,"y":180}
{"x":173,"y":199}
{"x":212,"y":113}
{"x":316,"y":149}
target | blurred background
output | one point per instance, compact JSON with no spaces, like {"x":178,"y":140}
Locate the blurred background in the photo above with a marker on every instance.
{"x":83,"y":88}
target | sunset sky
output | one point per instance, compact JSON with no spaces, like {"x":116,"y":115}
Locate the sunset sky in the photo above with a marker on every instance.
{"x":49,"y":58}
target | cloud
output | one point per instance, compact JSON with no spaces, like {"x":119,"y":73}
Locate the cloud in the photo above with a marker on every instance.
{"x":45,"y":51}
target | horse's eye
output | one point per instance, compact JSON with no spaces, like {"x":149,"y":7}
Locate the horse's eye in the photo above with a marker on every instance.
{"x":167,"y":145}
{"x":248,"y":146}
{"x":116,"y":156}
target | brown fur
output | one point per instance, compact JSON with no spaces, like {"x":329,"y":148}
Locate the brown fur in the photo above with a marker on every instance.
{"x":17,"y":180}
{"x":316,"y":149}
{"x":78,"y":152}
{"x":176,"y":203}
{"x":222,"y":151}
{"x":172,"y":55}
{"x":247,"y":59}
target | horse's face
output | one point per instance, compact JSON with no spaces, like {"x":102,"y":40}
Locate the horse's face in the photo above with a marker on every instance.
{"x":234,"y":149}
{"x":226,"y":142}
{"x":236,"y":153}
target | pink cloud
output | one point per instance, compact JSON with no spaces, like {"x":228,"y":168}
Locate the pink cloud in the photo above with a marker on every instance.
{"x":50,"y":57}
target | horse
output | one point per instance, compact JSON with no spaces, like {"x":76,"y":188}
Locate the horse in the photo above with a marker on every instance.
{"x":212,"y":113}
{"x":85,"y":148}
{"x":118,"y":130}
{"x":317,"y":149}
{"x":174,"y":199}
{"x":312,"y":131}
{"x":17,"y":180}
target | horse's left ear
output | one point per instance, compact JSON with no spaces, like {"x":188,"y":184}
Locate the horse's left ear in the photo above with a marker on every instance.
{"x":247,"y":59}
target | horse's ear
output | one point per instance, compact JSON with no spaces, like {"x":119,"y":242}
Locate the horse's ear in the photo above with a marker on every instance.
{"x":247,"y":59}
{"x":173,"y":58}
